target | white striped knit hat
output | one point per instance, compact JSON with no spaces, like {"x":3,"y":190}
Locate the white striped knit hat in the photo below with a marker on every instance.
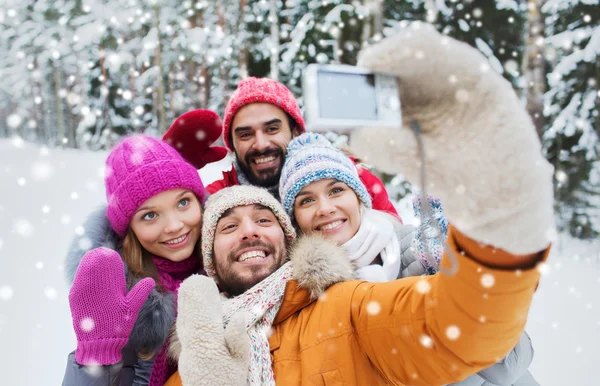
{"x":311,"y":157}
{"x":231,"y":197}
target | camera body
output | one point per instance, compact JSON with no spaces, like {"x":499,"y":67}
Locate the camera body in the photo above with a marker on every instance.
{"x":343,"y":98}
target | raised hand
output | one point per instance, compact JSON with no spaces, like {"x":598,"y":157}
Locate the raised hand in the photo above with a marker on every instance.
{"x":103,"y":311}
{"x":193,"y":133}
{"x":482,"y":154}
{"x":210,"y":354}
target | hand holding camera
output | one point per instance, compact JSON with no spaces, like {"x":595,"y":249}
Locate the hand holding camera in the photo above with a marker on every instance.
{"x":482,"y":154}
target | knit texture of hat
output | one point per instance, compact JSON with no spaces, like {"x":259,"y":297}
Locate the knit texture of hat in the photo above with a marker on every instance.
{"x":234,"y":196}
{"x":139,"y":168}
{"x":311,"y":157}
{"x":260,"y":90}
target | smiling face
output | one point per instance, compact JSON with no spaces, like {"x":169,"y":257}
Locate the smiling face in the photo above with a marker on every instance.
{"x":249,"y":246}
{"x":328,"y":207}
{"x":168,"y":224}
{"x":260,"y":134}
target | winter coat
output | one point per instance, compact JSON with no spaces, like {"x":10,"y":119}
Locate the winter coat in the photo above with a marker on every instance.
{"x":374,"y":186}
{"x":360,"y":333}
{"x":151,"y":328}
{"x":510,"y":371}
{"x":507,"y":371}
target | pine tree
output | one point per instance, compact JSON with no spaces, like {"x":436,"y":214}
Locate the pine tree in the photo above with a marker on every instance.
{"x":571,"y":140}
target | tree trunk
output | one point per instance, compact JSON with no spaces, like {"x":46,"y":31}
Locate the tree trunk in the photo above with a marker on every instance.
{"x":374,"y":23}
{"x":534,"y":71}
{"x":173,"y":83}
{"x":60,"y":123}
{"x":243,"y":49}
{"x":274,"y":21}
{"x":222,"y":68}
{"x":204,"y":83}
{"x":160,"y":90}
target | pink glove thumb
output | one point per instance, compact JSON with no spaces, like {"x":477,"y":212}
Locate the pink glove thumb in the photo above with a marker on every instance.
{"x":103,"y":312}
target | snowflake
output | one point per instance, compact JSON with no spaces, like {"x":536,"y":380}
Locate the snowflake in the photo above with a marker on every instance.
{"x":543,"y":268}
{"x":65,"y":219}
{"x":87,"y":324}
{"x":42,"y":171}
{"x":426,"y":341}
{"x":50,"y":293}
{"x":14,"y":121}
{"x":23,"y":227}
{"x":423,"y":286}
{"x":84,"y":244}
{"x":373,"y":308}
{"x":453,"y":332}
{"x":6,"y":292}
{"x":488,"y":280}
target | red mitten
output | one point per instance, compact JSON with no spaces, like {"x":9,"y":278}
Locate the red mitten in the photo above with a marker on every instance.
{"x":192,"y":134}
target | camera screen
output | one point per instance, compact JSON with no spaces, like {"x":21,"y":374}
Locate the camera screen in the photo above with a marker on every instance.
{"x":347,"y":96}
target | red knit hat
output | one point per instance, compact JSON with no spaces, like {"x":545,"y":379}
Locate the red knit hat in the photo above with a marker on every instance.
{"x":260,"y":90}
{"x":192,"y":135}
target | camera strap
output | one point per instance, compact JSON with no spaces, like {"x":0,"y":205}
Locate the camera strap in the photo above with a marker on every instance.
{"x":426,"y":213}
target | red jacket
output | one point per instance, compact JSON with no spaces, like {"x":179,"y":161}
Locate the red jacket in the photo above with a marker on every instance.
{"x":374,"y":186}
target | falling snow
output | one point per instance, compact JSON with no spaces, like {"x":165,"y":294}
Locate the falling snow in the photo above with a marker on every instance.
{"x":488,"y":280}
{"x":426,"y":341}
{"x":373,"y":308}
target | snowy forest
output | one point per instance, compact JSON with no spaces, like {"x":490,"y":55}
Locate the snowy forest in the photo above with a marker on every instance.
{"x":83,"y":73}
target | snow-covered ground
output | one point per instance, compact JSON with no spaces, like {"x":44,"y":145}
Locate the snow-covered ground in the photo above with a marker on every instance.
{"x":45,"y":195}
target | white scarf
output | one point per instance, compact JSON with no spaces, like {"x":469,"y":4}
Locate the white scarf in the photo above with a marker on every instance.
{"x":376,"y":236}
{"x":261,"y":303}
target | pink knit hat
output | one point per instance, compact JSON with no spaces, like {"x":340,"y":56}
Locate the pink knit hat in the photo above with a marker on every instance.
{"x":260,"y":90}
{"x":139,"y":168}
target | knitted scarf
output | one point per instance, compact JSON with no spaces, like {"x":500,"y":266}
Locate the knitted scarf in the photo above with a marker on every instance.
{"x":243,"y":180}
{"x":431,"y":232}
{"x":375,"y":236}
{"x":170,"y":274}
{"x":261,"y":303}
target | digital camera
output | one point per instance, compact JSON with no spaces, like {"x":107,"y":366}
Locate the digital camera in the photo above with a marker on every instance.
{"x":343,"y":98}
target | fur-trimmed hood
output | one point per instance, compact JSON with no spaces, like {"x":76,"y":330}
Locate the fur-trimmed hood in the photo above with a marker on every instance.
{"x":317,"y":264}
{"x":158,"y":312}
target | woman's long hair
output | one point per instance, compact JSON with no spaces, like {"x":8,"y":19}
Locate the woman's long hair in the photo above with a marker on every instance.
{"x":140,"y":262}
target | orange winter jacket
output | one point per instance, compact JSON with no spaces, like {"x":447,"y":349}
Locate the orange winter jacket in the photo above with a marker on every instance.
{"x":428,"y":330}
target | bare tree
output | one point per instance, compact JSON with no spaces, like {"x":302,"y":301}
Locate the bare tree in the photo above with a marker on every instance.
{"x":274,"y":22}
{"x":534,"y":68}
{"x":60,"y":122}
{"x":160,"y":90}
{"x":243,"y":49}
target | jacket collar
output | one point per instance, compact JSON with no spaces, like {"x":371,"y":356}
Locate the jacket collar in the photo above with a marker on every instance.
{"x":317,"y":264}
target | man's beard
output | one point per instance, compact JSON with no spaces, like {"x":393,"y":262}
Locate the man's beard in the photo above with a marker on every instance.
{"x":267,"y":178}
{"x":233,"y":283}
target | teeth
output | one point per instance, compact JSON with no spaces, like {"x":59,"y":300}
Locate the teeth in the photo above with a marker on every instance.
{"x":251,"y":255}
{"x":177,"y":240}
{"x":264,"y":159}
{"x":331,"y":226}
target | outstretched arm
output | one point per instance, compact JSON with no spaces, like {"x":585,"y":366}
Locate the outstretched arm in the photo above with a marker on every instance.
{"x":439,"y":329}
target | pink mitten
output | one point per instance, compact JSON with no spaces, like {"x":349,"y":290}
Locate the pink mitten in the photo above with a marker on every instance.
{"x":102,"y":310}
